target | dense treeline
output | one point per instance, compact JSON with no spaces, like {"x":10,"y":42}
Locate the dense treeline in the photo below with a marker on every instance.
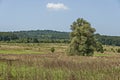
{"x":7,"y":36}
{"x":108,"y":40}
{"x":43,"y":34}
{"x":49,"y":36}
{"x":35,"y":36}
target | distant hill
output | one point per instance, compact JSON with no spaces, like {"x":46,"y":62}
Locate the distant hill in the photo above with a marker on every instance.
{"x":35,"y":36}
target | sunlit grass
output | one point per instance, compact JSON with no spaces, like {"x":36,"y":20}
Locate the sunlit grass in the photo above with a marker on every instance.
{"x":84,"y":68}
{"x":19,"y":52}
{"x":31,"y":48}
{"x":103,"y":54}
{"x":20,"y":61}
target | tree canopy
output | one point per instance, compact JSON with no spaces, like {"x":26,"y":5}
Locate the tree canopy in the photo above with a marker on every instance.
{"x":83,"y":41}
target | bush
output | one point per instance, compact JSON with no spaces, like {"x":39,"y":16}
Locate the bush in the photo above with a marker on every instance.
{"x":118,"y":50}
{"x":105,"y":49}
{"x":52,"y":49}
{"x":112,"y":50}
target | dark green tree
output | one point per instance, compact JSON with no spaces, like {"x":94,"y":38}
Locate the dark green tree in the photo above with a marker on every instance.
{"x":83,"y":41}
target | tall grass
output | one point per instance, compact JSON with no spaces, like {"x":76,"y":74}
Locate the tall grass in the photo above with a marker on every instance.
{"x":31,"y":48}
{"x":59,"y":67}
{"x":36,"y":62}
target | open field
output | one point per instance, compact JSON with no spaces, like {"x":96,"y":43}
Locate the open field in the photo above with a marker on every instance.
{"x":36,"y":62}
{"x":31,"y":48}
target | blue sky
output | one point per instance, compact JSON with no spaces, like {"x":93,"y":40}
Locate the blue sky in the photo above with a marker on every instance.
{"x":16,"y":15}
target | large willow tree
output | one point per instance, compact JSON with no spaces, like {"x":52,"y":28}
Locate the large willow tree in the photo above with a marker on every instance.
{"x":83,"y":41}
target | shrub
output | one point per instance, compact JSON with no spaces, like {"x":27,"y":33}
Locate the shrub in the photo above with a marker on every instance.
{"x":112,"y":50}
{"x":52,"y":49}
{"x":118,"y":50}
{"x":105,"y":49}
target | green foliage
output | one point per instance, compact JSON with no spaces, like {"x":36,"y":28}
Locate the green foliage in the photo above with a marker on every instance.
{"x":112,"y":49}
{"x":108,"y":40}
{"x":52,"y":49}
{"x":49,"y":36}
{"x":35,"y":40}
{"x":82,"y":39}
{"x":7,"y":36}
{"x":35,"y":36}
{"x":44,"y":36}
{"x":118,"y":50}
{"x":99,"y":47}
{"x":104,"y":49}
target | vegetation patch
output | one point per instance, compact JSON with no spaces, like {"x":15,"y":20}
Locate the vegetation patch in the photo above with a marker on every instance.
{"x":60,"y":67}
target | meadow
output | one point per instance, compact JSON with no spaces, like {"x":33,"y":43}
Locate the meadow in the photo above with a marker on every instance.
{"x":35,"y":61}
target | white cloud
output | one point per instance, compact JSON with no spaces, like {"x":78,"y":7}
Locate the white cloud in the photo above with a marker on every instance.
{"x":56,"y":6}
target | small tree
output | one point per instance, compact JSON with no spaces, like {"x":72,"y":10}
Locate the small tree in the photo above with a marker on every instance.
{"x":52,"y":49}
{"x":83,"y":41}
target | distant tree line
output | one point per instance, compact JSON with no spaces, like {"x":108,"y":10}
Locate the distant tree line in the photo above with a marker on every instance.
{"x":49,"y":36}
{"x":37,"y":36}
{"x":8,"y":36}
{"x":108,"y":40}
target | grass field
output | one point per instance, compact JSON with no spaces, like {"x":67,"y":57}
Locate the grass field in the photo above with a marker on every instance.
{"x":36,"y":62}
{"x":30,"y":48}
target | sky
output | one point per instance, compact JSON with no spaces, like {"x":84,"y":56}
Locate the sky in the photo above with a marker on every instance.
{"x":17,"y":15}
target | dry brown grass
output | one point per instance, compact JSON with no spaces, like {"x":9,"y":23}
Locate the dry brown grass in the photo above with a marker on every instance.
{"x":57,"y":66}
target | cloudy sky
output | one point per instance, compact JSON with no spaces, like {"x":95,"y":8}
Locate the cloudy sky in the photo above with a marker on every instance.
{"x":16,"y":15}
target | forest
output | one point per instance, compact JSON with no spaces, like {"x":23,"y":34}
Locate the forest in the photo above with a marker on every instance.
{"x":50,"y":36}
